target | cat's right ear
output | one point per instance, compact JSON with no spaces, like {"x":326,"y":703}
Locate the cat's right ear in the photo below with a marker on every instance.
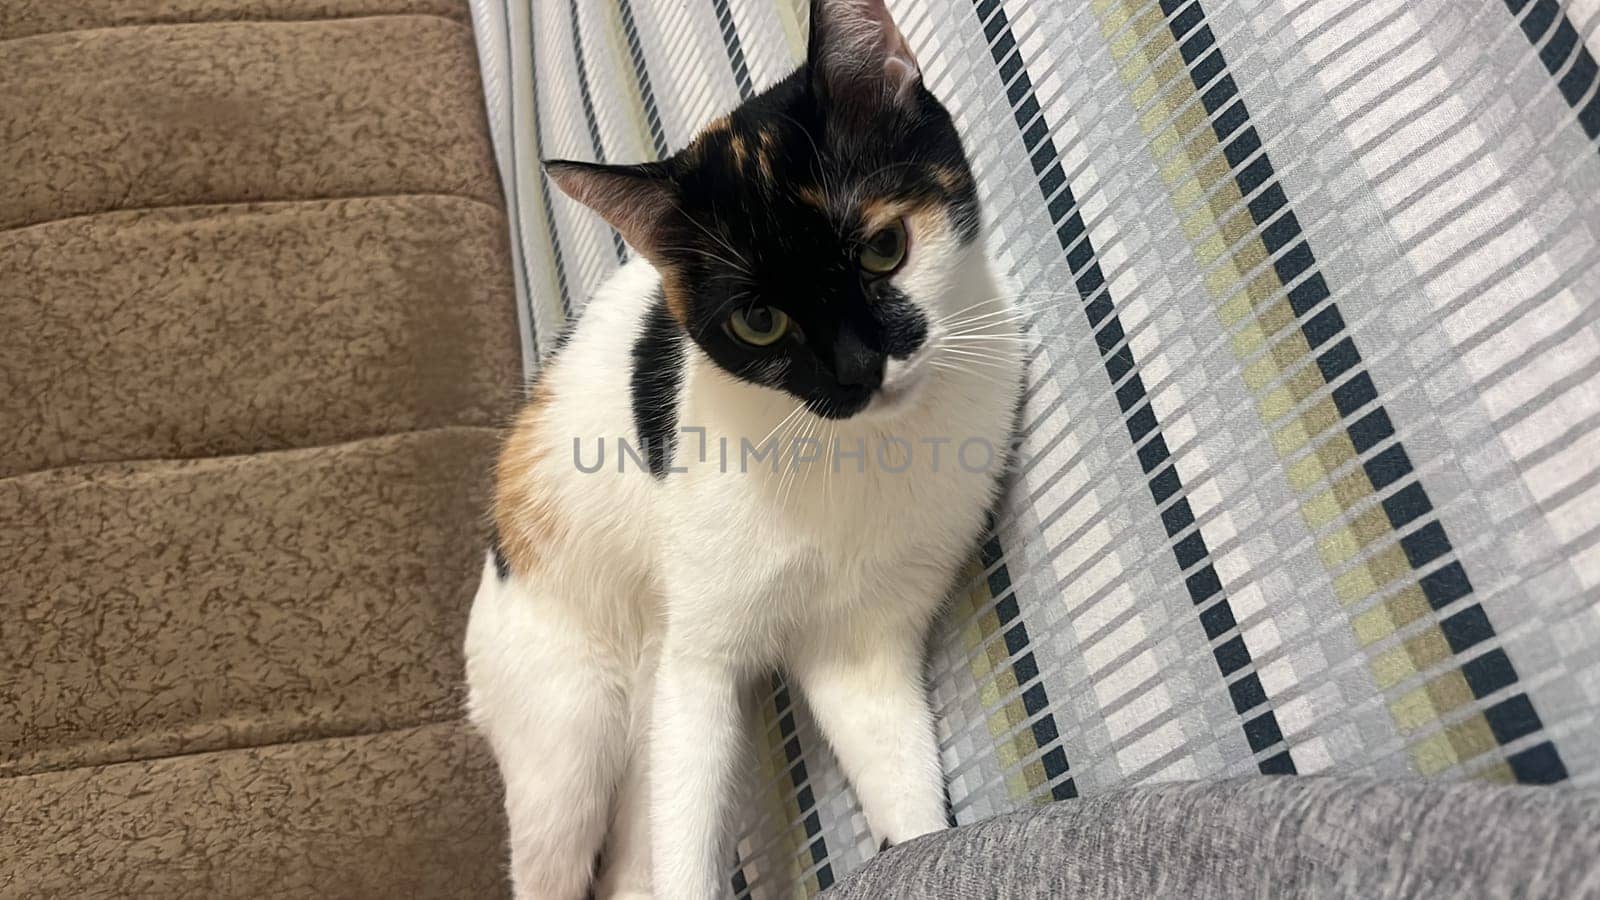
{"x":858,"y":59}
{"x":635,"y":200}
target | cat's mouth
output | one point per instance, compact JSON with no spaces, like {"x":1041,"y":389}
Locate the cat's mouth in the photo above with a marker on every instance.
{"x":895,"y":391}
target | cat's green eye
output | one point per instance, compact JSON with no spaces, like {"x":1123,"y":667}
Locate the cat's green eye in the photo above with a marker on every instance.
{"x":884,"y":251}
{"x":759,"y":326}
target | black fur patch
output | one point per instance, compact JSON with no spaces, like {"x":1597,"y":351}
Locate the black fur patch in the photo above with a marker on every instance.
{"x":502,"y":567}
{"x":772,"y":212}
{"x":906,"y":327}
{"x":657,"y":380}
{"x":771,"y":206}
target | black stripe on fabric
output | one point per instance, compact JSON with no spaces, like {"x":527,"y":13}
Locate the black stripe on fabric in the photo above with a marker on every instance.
{"x":1025,"y":668}
{"x":1230,"y":120}
{"x":586,"y":99}
{"x":538,"y":143}
{"x":1544,"y":17}
{"x":735,"y":48}
{"x":1539,"y":764}
{"x":805,"y":799}
{"x":630,"y":33}
{"x":741,"y":885}
{"x":514,"y":207}
{"x":1205,"y":588}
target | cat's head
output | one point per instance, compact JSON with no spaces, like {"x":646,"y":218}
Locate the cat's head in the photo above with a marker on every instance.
{"x":809,"y":240}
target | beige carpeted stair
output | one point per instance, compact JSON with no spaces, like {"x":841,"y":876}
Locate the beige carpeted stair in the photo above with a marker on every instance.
{"x":256,"y":334}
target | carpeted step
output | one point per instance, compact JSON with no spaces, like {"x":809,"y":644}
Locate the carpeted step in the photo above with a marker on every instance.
{"x":124,"y":118}
{"x":204,"y":331}
{"x":172,"y":607}
{"x":410,"y":813}
{"x":21,"y":18}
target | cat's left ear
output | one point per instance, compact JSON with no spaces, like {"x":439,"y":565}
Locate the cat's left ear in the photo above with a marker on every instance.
{"x":858,"y":59}
{"x":635,"y":200}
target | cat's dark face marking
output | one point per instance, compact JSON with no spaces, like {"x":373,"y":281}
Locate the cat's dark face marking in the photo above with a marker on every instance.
{"x":838,"y":203}
{"x":775,"y":206}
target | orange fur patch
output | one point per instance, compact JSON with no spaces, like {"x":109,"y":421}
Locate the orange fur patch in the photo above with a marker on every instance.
{"x":717,"y":125}
{"x":764,"y":155}
{"x":696,"y":150}
{"x":677,"y":299}
{"x":877,"y":212}
{"x":525,"y":513}
{"x":950,"y":179}
{"x":813,"y":196}
{"x":924,"y":220}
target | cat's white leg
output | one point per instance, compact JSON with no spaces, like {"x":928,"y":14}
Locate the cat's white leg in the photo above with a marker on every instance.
{"x":552,"y":706}
{"x":625,"y":864}
{"x":872,"y":707}
{"x":696,"y":733}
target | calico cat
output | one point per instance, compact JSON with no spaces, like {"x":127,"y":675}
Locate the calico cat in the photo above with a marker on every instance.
{"x":807,"y":380}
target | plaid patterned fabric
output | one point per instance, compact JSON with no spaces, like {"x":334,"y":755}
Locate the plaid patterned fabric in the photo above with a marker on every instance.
{"x":1311,"y":469}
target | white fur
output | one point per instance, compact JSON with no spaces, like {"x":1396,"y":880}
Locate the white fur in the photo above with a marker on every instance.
{"x":609,"y":679}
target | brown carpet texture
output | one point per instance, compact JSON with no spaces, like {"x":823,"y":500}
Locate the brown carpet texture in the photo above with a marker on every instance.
{"x":257,"y":335}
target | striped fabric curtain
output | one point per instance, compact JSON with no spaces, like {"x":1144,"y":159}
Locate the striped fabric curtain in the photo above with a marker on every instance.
{"x":1310,"y":478}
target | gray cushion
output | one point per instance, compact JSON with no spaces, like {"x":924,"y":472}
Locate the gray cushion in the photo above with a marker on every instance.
{"x":1319,"y":837}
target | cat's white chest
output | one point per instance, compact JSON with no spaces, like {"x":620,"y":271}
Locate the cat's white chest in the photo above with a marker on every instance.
{"x":765,"y":560}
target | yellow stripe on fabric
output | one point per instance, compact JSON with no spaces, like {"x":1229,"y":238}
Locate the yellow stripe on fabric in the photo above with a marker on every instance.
{"x":1317,"y":420}
{"x":793,"y":15}
{"x":1277,"y":367}
{"x":1361,"y":530}
{"x":633,"y":94}
{"x":1370,"y":575}
{"x":782,"y":805}
{"x":544,"y":227}
{"x":998,"y":690}
{"x":1496,"y":773}
{"x":1282,"y":400}
{"x":1330,"y":456}
{"x":1421,"y":652}
{"x":1393,"y":614}
{"x":1330,"y":504}
{"x":1002,"y":685}
{"x":1454,"y":745}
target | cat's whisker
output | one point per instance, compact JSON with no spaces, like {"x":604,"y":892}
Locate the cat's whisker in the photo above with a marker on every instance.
{"x":817,"y":169}
{"x":715,"y":237}
{"x":1026,"y":301}
{"x":975,"y":357}
{"x":1007,"y":319}
{"x":981,"y":361}
{"x":854,"y":196}
{"x":964,"y":315}
{"x":812,"y":435}
{"x":717,"y":257}
{"x":793,"y":438}
{"x":829,"y":454}
{"x":994,"y":377}
{"x":979,"y":337}
{"x":987,"y":346}
{"x":802,"y":432}
{"x":1033,"y":298}
{"x":987,"y":320}
{"x":781,"y":422}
